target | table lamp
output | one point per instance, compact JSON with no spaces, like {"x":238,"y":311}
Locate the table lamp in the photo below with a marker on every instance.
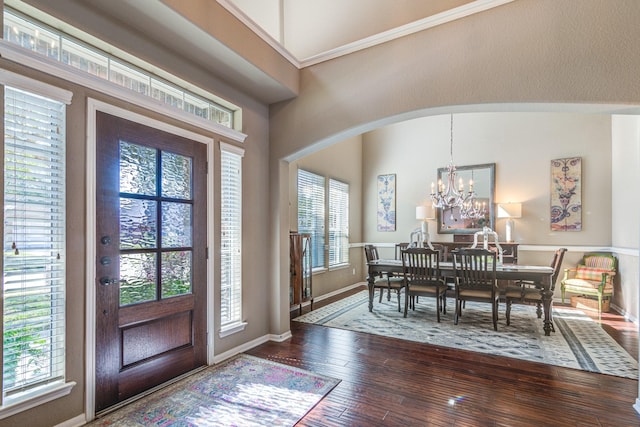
{"x":509,"y":211}
{"x":424,"y":213}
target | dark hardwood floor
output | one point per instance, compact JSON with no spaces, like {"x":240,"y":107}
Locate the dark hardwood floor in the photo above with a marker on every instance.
{"x":388,"y":381}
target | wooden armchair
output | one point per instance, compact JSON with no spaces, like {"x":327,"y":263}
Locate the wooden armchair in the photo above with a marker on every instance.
{"x":526,"y":292}
{"x":384,"y":280}
{"x":422,"y":278}
{"x":476,"y":280}
{"x":592,"y":277}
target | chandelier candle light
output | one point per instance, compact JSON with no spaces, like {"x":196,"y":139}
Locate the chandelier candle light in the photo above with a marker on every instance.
{"x":451,"y":197}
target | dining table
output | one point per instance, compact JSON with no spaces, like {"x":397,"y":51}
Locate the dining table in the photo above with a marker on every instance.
{"x":539,"y":275}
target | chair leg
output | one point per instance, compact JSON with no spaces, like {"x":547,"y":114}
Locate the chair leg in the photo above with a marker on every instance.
{"x":398,"y":293}
{"x":508,"y":311}
{"x":495,"y":315}
{"x":406,"y":302}
{"x":444,"y":302}
{"x":458,"y":308}
{"x":381,"y":293}
{"x":599,"y":306}
{"x":539,"y":310}
{"x":389,"y":294}
{"x":438,"y":308}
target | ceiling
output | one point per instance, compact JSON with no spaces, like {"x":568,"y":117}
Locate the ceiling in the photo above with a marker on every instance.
{"x":315,"y":30}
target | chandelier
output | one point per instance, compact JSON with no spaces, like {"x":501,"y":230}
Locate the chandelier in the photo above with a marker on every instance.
{"x":472,"y":208}
{"x":450,"y":197}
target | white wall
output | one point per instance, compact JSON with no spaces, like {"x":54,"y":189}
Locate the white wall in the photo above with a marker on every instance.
{"x":625,"y":177}
{"x":625,"y":231}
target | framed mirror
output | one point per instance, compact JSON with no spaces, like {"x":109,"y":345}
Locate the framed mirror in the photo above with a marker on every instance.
{"x":451,"y":221}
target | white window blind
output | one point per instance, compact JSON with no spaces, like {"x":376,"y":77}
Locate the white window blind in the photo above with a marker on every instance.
{"x":231,"y":234}
{"x":34,"y":243}
{"x":338,"y":223}
{"x":311,"y":213}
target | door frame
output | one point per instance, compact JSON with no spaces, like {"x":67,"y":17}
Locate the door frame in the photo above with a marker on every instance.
{"x":93,"y":106}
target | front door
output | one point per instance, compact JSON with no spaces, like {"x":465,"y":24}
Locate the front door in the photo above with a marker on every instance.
{"x":151,"y":258}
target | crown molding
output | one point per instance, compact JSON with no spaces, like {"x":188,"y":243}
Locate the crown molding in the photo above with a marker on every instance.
{"x":367,"y":42}
{"x":275,"y":44}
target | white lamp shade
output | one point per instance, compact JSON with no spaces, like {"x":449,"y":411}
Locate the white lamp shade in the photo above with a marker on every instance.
{"x":509,"y":210}
{"x":423,"y":212}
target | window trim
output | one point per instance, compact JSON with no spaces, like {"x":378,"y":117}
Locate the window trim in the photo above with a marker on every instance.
{"x":47,"y":392}
{"x":71,"y":50}
{"x":33,"y":60}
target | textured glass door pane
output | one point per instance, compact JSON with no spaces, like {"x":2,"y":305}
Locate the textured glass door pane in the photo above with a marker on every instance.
{"x":138,"y":224}
{"x":176,"y":176}
{"x":176,"y":273}
{"x":137,"y":169}
{"x":176,"y":225}
{"x":137,"y":278}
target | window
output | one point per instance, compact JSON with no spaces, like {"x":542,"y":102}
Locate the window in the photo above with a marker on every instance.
{"x":311,"y":213}
{"x":37,"y":37}
{"x":313,"y":219}
{"x":338,"y":223}
{"x":34,"y":246}
{"x":231,"y":235}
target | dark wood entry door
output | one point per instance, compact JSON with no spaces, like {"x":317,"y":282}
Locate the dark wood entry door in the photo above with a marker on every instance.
{"x":151,"y":258}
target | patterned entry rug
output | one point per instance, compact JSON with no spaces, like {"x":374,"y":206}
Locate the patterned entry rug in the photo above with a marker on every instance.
{"x":243,"y":391}
{"x":578,"y":342}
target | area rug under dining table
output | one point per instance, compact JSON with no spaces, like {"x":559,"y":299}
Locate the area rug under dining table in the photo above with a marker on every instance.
{"x":579,"y":342}
{"x":243,"y":391}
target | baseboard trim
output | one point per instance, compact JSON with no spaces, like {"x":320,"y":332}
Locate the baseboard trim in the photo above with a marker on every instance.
{"x":76,"y":421}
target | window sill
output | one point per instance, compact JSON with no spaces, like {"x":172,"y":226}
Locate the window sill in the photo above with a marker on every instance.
{"x":36,"y":397}
{"x":232,"y":328}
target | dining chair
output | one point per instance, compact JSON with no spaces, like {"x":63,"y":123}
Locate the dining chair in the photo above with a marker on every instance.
{"x":422,"y":278}
{"x":526,"y":292}
{"x":384,"y":281}
{"x":399,"y":248}
{"x":475,"y":271}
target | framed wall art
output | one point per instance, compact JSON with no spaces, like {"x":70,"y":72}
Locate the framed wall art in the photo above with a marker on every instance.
{"x":386,"y":209}
{"x":566,"y":194}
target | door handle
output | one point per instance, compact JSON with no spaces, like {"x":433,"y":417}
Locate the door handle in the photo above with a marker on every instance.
{"x":106,"y":281}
